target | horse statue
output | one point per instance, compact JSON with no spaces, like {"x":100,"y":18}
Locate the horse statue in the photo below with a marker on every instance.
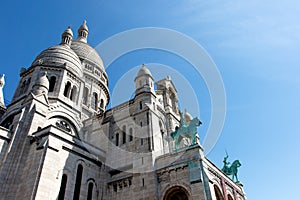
{"x":186,"y":131}
{"x":232,"y":170}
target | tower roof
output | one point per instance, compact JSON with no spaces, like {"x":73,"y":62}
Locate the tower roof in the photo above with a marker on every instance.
{"x":67,"y":36}
{"x":83,"y":32}
{"x":144,"y":71}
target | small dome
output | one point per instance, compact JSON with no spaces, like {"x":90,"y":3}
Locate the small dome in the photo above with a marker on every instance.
{"x":87,"y":53}
{"x":60,"y":55}
{"x":68,"y":31}
{"x":83,"y":27}
{"x":144,"y":71}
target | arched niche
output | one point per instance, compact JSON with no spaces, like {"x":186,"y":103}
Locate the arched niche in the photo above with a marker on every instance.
{"x":176,"y":193}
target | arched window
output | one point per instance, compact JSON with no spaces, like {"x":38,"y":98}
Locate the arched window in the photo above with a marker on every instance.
{"x":101,"y":103}
{"x":63,"y":185}
{"x":162,"y":129}
{"x":229,"y":197}
{"x":130,"y":134}
{"x":90,"y":191}
{"x":52,"y":82}
{"x":218,"y":193}
{"x":67,"y":89}
{"x":141,"y":105}
{"x":8,"y":122}
{"x":124,"y":134}
{"x":27,"y":85}
{"x":85,"y":96}
{"x":78,"y":182}
{"x":94,"y":101}
{"x":176,"y":192}
{"x":73,"y":96}
{"x":117,"y":139}
{"x":22,"y":87}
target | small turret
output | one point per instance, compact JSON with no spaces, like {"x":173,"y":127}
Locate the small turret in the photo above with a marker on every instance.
{"x":83,"y":32}
{"x":67,"y":36}
{"x":41,"y":85}
{"x":144,"y":81}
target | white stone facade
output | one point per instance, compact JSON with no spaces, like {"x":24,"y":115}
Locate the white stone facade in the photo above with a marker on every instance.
{"x":58,"y":140}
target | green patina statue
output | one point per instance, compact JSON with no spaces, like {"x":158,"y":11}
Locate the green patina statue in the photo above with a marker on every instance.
{"x":231,"y":170}
{"x":187,"y":129}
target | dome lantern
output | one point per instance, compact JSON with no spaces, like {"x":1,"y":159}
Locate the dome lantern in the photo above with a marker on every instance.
{"x":67,"y":36}
{"x":83,"y":32}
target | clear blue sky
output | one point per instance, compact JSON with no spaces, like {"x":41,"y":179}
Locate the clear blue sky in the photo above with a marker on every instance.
{"x":255,"y":44}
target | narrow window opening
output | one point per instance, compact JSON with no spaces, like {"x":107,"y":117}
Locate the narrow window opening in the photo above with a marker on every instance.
{"x":117,"y":139}
{"x":67,"y":89}
{"x":142,"y":141}
{"x":143,"y":182}
{"x":52,"y":83}
{"x":22,"y":88}
{"x":85,"y":96}
{"x":90,"y":191}
{"x":27,"y":84}
{"x":101,"y":103}
{"x":94,"y":101}
{"x":130,"y":134}
{"x":73,"y":93}
{"x":63,"y":185}
{"x":124,"y":134}
{"x":124,"y":137}
{"x":141,"y":105}
{"x":147,"y":118}
{"x":78,"y":182}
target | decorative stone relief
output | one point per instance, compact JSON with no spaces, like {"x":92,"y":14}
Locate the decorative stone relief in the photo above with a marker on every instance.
{"x":63,"y":125}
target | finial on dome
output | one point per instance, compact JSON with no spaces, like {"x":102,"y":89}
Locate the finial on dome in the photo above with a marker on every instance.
{"x":2,"y":82}
{"x":83,"y":32}
{"x":67,"y":36}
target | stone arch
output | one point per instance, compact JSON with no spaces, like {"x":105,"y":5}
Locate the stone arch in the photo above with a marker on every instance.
{"x":218,"y":193}
{"x":229,"y":197}
{"x":177,"y":192}
{"x":229,"y":193}
{"x":91,"y":192}
{"x":65,"y":123}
